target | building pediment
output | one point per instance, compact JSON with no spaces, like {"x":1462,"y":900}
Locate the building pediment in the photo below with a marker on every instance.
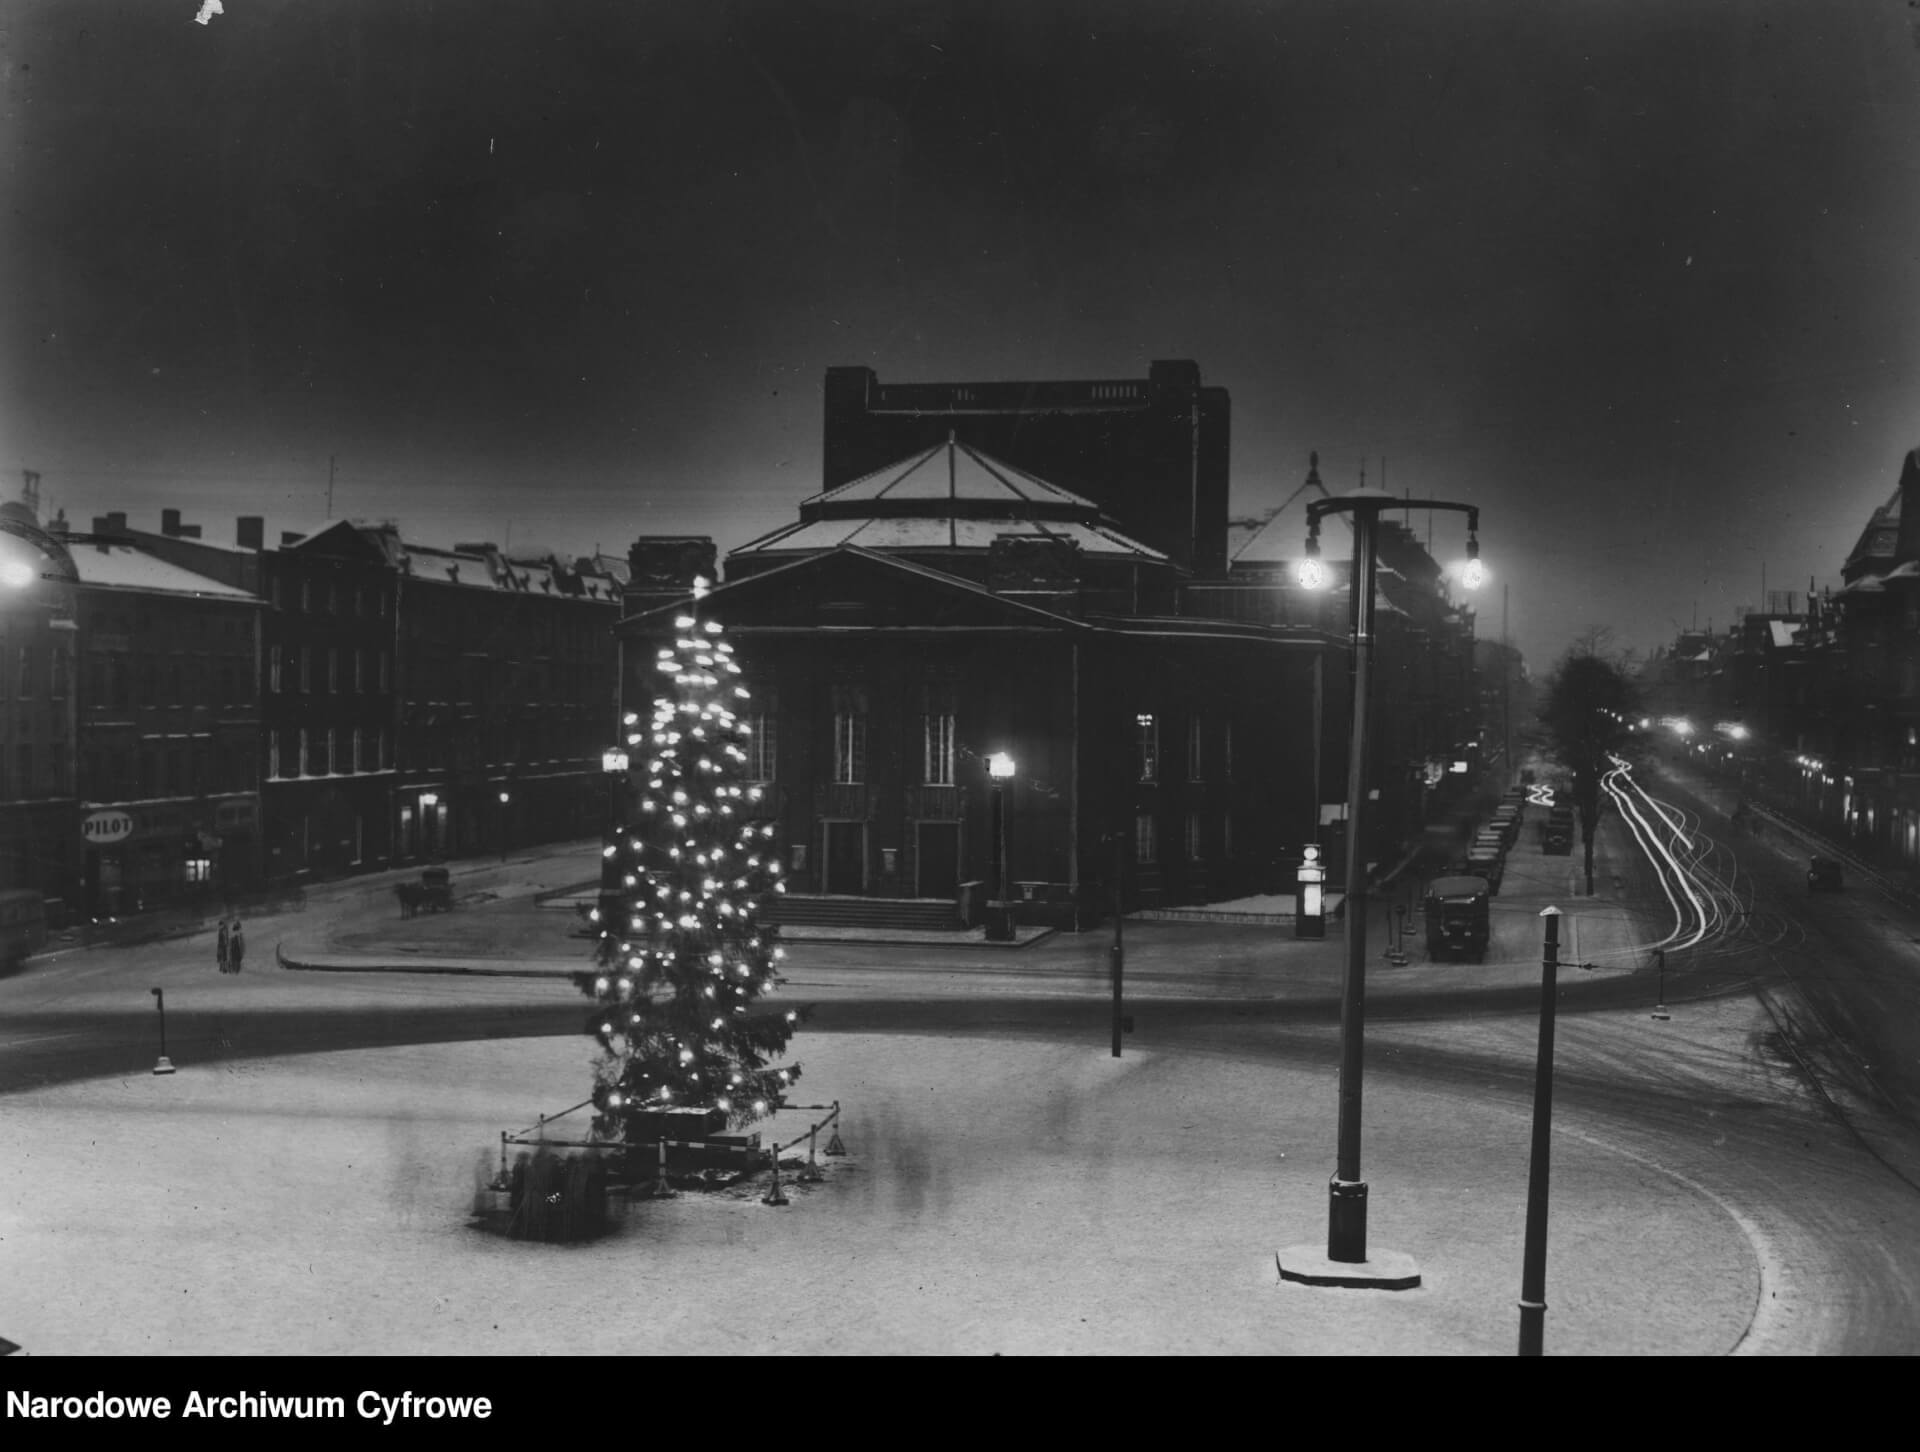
{"x":853,"y":589}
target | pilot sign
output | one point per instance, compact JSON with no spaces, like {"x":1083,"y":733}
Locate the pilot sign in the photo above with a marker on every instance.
{"x":101,"y":828}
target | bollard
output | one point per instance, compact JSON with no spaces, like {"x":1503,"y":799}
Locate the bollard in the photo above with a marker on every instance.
{"x":775,"y":1195}
{"x":661,"y":1189}
{"x":811,"y":1175}
{"x":164,"y":1065}
{"x":834,"y":1147}
{"x":1533,"y":1269}
{"x":1660,"y":1004}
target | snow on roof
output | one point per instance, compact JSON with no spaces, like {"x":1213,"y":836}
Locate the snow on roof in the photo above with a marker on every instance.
{"x":1782,"y":631}
{"x":1282,"y":535}
{"x":122,"y":567}
{"x":952,"y":470}
{"x":941,"y":533}
{"x":494,"y":571}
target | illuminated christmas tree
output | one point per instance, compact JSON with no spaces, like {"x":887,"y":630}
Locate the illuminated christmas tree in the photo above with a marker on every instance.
{"x":683,"y":953}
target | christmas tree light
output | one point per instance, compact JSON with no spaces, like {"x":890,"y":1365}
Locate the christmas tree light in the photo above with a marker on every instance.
{"x":693,"y":871}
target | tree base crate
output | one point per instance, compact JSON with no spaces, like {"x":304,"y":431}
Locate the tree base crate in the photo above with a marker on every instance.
{"x":650,"y":1125}
{"x":712,"y":1152}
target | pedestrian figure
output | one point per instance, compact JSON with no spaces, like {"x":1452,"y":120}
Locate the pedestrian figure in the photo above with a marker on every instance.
{"x":223,"y":949}
{"x":236,"y":949}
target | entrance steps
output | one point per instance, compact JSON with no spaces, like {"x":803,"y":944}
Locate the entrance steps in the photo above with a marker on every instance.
{"x":913,"y":914}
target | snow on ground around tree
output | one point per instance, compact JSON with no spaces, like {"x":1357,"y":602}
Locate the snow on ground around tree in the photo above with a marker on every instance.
{"x":1014,"y":1196}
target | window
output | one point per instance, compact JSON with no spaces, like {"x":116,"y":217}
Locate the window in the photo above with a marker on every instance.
{"x":1195,"y":754}
{"x":303,"y":761}
{"x":327,"y":761}
{"x":937,"y":748}
{"x":1146,"y":737}
{"x":273,"y":754}
{"x":1226,"y":750}
{"x":356,"y":749}
{"x":1194,"y":852}
{"x":1226,"y":835}
{"x":383,"y":662}
{"x":333,"y":668}
{"x":57,"y":673}
{"x":359,"y":670}
{"x":1146,"y":845}
{"x":199,"y":869}
{"x":306,"y":595}
{"x":25,"y":677}
{"x":306,"y":668}
{"x":761,"y":744}
{"x":850,"y":737}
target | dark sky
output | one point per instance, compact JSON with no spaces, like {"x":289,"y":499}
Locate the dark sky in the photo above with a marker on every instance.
{"x":1638,"y":279}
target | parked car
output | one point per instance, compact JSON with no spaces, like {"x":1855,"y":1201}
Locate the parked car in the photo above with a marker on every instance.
{"x":1457,"y":918}
{"x":1488,"y":864}
{"x":1823,"y":875}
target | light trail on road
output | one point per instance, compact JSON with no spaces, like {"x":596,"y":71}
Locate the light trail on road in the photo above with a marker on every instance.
{"x":1698,"y":874}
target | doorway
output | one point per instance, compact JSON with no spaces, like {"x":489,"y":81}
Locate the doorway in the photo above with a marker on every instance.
{"x":846,"y":864}
{"x":936,"y":858}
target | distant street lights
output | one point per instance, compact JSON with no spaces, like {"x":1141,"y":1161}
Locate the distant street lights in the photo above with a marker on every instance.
{"x":1000,"y":913}
{"x":1347,"y":1210}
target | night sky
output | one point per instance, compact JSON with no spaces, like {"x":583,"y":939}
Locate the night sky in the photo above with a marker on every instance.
{"x":1638,"y":279}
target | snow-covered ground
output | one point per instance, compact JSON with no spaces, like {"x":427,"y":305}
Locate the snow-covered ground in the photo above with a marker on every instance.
{"x":1009,"y":1195}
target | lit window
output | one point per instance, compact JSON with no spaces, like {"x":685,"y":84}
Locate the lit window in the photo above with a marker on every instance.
{"x":849,"y":742}
{"x":760,"y":746}
{"x":1146,"y":735}
{"x":937,"y":748}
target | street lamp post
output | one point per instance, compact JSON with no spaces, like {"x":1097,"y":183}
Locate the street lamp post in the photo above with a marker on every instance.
{"x":165,"y":1065}
{"x":1000,"y":916}
{"x":1346,"y":1261}
{"x":613,"y":765}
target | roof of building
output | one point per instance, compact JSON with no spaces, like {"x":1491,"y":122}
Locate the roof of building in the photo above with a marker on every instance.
{"x":109,"y":565}
{"x":951,"y":496}
{"x":494,"y":571}
{"x":1281,"y":535}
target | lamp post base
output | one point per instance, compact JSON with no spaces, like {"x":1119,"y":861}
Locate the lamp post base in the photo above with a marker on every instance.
{"x":999,"y":922}
{"x":1386,"y":1270}
{"x":165,"y":1066}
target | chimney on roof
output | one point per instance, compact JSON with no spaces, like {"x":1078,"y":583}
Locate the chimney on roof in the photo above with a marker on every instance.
{"x":170,"y":523}
{"x":117,"y":522}
{"x":250,"y":532}
{"x":30,"y":490}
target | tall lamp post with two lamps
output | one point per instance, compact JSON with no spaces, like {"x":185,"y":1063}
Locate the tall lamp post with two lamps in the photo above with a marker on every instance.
{"x":1000,"y":914}
{"x":1347,"y":1262}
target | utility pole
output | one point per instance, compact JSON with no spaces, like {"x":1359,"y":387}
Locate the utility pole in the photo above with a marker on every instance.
{"x":330,"y":486}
